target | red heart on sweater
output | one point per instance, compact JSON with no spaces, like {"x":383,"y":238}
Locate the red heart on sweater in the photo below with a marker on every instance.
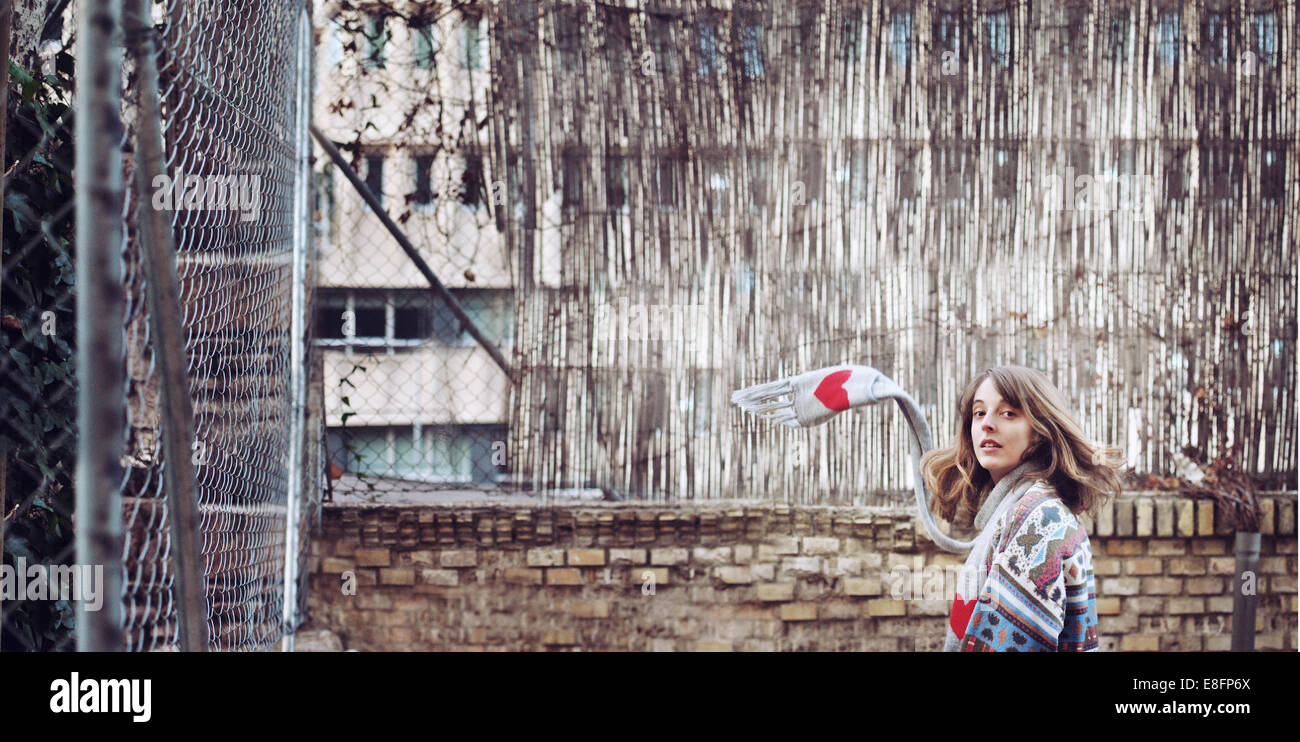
{"x":960,"y":618}
{"x":831,"y":391}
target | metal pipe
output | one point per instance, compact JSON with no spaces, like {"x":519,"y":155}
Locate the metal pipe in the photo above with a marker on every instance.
{"x":1243,"y":604}
{"x":411,"y":252}
{"x":297,"y":339}
{"x":101,"y":406}
{"x":162,"y":287}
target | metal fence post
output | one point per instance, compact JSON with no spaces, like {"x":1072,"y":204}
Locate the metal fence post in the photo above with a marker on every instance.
{"x":297,"y":335}
{"x":1243,"y":605}
{"x":158,"y":253}
{"x":101,"y":406}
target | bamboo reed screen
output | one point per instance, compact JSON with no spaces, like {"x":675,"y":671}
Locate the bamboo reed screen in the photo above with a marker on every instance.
{"x":703,"y":196}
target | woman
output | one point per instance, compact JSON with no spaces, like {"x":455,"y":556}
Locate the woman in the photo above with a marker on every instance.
{"x":1020,"y":471}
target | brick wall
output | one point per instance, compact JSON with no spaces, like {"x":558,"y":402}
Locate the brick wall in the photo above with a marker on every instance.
{"x":752,"y":577}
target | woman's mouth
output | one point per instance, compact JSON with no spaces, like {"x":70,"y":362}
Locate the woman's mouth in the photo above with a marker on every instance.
{"x":990,"y":447}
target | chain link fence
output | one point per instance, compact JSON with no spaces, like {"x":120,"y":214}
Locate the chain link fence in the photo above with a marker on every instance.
{"x":413,"y":400}
{"x":233,"y":98}
{"x":649,"y":207}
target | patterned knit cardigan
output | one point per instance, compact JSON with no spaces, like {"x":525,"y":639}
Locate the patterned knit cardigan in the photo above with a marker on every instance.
{"x":1039,"y":594}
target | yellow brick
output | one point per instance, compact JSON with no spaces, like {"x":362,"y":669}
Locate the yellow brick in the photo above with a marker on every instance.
{"x":1145,"y":512}
{"x":559,"y":636}
{"x":1108,"y":606}
{"x":863,"y":586}
{"x":334,"y":565}
{"x":705,"y":645}
{"x":397,"y":576}
{"x":590,"y":609}
{"x":1124,"y":547}
{"x":523,"y":576}
{"x":1105,"y":567}
{"x":563,"y":576}
{"x":1139,"y":643}
{"x":373,"y":558}
{"x":776,"y":591}
{"x":1209,"y":546}
{"x":1166,"y":547}
{"x":1186,"y":510}
{"x":1183,"y":606}
{"x":1164,"y":518}
{"x":1267,"y":507}
{"x":799,"y":612}
{"x":1144,"y":566}
{"x":1205,"y":586}
{"x":885,"y":607}
{"x":1205,"y":518}
{"x":586,"y":557}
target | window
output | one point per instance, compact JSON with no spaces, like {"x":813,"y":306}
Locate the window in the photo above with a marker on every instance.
{"x":807,"y":36}
{"x":1168,"y":34}
{"x":568,"y":22}
{"x":667,"y":174}
{"x":472,"y":26}
{"x":617,"y":39}
{"x":1004,"y":173}
{"x":616,"y":183}
{"x":1265,"y":38}
{"x":491,"y":310}
{"x":952,"y":170}
{"x":947,"y":37}
{"x":900,"y":37}
{"x":572,"y":178}
{"x":373,"y":319}
{"x":520,"y":209}
{"x":375,"y":176}
{"x":377,"y":36}
{"x":760,"y":180}
{"x":1272,"y":174}
{"x":716,"y":182}
{"x":1222,"y":173}
{"x":1120,"y":47}
{"x":426,"y":46}
{"x":752,"y":56}
{"x":430,"y":453}
{"x":858,"y":172}
{"x":663,"y":46}
{"x":908,"y":180}
{"x":851,"y":37}
{"x":471,"y":181}
{"x":707,"y":35}
{"x":1175,"y":176}
{"x":997,"y":38}
{"x":1215,"y":40}
{"x":812,"y":171}
{"x":424,"y":179}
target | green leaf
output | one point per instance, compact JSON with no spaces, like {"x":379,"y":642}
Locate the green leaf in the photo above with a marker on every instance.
{"x":24,"y":215}
{"x":19,"y":546}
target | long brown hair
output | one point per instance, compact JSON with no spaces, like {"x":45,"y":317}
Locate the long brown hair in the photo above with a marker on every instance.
{"x":1084,"y":473}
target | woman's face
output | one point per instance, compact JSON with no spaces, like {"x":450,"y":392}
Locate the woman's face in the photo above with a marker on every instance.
{"x":994,"y":421}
